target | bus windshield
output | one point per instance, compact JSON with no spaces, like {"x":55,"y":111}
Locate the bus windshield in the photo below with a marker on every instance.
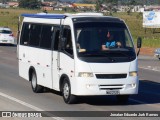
{"x":103,"y":39}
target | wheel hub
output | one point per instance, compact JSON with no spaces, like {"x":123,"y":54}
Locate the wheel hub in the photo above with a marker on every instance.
{"x":66,"y":90}
{"x":34,"y":81}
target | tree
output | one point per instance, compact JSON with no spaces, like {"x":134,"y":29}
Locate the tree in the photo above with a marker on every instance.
{"x":111,"y":5}
{"x":4,"y":1}
{"x":88,"y":1}
{"x":158,"y":2}
{"x":31,"y":4}
{"x":133,"y":2}
{"x":99,"y":4}
{"x":113,"y":2}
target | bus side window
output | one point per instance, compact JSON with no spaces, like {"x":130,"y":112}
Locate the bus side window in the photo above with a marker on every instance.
{"x":35,"y":33}
{"x":68,"y":45}
{"x":25,"y":34}
{"x":46,"y":36}
{"x":56,"y":39}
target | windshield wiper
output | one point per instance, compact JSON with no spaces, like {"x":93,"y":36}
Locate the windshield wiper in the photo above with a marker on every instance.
{"x":91,"y":54}
{"x":121,"y":52}
{"x":98,"y":55}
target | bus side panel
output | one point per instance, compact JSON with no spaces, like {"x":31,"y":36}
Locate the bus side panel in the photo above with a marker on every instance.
{"x":23,"y":63}
{"x":40,"y":60}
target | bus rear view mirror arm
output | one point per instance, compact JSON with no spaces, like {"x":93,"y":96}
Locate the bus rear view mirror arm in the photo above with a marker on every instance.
{"x":139,"y":44}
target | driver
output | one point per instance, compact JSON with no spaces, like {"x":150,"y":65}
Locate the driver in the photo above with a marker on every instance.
{"x":110,"y":42}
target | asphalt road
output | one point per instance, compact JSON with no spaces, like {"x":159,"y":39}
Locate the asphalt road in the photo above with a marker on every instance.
{"x":16,"y":93}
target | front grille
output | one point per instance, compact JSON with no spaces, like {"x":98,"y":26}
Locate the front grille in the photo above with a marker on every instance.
{"x":111,"y":87}
{"x":110,"y":76}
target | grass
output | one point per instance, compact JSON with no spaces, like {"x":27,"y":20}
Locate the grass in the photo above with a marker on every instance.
{"x":9,"y":17}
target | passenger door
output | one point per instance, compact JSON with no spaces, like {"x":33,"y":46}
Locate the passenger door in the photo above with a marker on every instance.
{"x":55,"y":59}
{"x":66,"y":55}
{"x":63,"y":58}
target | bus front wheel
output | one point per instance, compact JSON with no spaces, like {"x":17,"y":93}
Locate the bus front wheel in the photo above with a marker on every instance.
{"x":66,"y":92}
{"x":35,"y":87}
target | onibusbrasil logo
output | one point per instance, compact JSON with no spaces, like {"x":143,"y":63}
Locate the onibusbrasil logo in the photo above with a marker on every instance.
{"x":151,"y":15}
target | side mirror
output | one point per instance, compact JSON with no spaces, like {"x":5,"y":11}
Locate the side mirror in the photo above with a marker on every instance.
{"x":63,"y":42}
{"x":139,"y":42}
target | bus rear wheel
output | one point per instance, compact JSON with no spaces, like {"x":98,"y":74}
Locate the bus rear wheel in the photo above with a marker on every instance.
{"x":66,"y":92}
{"x":35,"y":87}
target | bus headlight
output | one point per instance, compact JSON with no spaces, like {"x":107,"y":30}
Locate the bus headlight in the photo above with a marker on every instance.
{"x":133,"y":74}
{"x":85,"y":74}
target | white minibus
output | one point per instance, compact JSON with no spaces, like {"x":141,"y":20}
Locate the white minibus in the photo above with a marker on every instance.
{"x":79,"y":55}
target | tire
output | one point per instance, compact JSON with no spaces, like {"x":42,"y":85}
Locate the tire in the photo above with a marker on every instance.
{"x":35,"y":87}
{"x":122,"y":98}
{"x":66,"y":92}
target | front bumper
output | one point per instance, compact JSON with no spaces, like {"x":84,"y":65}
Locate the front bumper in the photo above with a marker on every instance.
{"x":91,"y":86}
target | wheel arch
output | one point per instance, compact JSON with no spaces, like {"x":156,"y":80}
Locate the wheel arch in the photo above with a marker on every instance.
{"x":61,"y":81}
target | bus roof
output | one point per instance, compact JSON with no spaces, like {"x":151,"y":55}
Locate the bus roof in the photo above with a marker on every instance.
{"x":78,"y":16}
{"x":44,"y":15}
{"x":59,"y":16}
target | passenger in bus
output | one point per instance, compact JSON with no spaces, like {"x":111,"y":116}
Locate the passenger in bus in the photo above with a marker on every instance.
{"x":110,"y":42}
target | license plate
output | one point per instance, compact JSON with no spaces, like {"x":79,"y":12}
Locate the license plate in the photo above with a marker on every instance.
{"x":113,"y":92}
{"x":4,"y":40}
